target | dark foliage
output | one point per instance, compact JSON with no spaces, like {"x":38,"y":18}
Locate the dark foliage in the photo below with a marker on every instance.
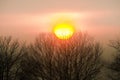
{"x":52,"y":59}
{"x":10,"y":55}
{"x":115,"y":65}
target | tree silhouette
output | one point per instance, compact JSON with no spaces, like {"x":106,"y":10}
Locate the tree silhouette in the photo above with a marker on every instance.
{"x":52,"y":59}
{"x":115,"y":65}
{"x":10,"y":55}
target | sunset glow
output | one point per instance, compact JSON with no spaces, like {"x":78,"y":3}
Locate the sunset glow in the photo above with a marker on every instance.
{"x":64,"y":30}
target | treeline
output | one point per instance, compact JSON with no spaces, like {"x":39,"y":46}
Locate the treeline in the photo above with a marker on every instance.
{"x":49,"y":58}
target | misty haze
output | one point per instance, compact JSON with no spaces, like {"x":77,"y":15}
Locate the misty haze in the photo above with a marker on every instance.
{"x":59,"y":40}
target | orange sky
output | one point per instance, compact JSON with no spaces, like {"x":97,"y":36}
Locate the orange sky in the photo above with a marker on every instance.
{"x":25,"y":19}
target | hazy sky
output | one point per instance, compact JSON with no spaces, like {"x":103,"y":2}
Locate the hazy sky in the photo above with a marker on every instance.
{"x":26,"y":18}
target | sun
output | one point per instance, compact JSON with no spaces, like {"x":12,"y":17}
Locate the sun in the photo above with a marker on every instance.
{"x":64,"y":29}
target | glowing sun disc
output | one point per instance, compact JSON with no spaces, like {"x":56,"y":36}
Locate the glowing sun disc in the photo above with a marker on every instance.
{"x":64,"y":30}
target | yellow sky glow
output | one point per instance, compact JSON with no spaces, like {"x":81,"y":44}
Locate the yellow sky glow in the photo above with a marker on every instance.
{"x":63,"y":28}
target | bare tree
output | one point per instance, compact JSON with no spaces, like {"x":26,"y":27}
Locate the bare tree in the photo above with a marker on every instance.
{"x":10,"y":55}
{"x":115,"y":65}
{"x":49,"y":58}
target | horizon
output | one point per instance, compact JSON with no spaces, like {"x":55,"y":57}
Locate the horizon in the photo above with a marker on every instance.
{"x":59,"y":39}
{"x":25,"y":19}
